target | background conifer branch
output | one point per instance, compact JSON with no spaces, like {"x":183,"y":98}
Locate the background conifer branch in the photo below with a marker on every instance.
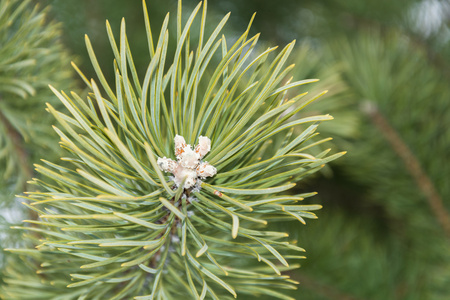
{"x":412,"y":164}
{"x":19,"y":150}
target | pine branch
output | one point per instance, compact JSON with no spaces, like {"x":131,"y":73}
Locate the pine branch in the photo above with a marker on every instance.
{"x":31,"y":56}
{"x":412,"y":164}
{"x":434,"y":57}
{"x":162,"y":195}
{"x":19,"y":149}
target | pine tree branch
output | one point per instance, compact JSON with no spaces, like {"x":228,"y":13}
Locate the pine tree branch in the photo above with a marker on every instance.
{"x":321,"y":288}
{"x":123,"y":217}
{"x":19,"y":148}
{"x":435,"y":58}
{"x":412,"y":164}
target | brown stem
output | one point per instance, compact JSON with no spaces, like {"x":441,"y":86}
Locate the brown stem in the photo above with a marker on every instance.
{"x":19,"y":148}
{"x":154,"y":260}
{"x":412,"y":165}
{"x":320,"y":288}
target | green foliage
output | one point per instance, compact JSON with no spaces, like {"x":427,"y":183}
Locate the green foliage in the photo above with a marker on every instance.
{"x":113,"y":226}
{"x":409,"y":92}
{"x":412,"y":94}
{"x":31,"y":57}
{"x":376,"y":221}
{"x":382,"y":220}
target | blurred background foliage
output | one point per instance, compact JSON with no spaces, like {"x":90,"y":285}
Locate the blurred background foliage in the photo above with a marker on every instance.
{"x":32,"y":56}
{"x":383,"y":232}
